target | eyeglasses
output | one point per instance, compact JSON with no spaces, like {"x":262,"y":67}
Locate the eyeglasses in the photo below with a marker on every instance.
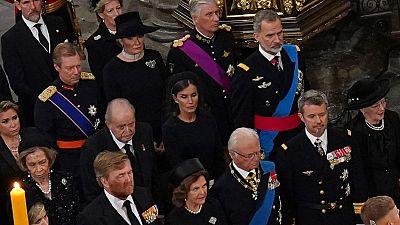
{"x":252,"y":155}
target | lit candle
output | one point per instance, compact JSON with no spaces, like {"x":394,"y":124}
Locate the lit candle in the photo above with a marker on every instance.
{"x":18,"y":203}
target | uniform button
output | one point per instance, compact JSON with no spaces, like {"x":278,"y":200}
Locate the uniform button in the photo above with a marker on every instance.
{"x":212,"y":53}
{"x":225,"y":96}
{"x":212,"y":46}
{"x":276,"y":92}
{"x":340,"y":206}
{"x":214,"y":59}
{"x":341,"y":198}
{"x":223,"y":91}
{"x":321,"y":192}
{"x":78,"y":106}
{"x":322,"y":202}
{"x":74,"y":95}
{"x":323,"y":211}
{"x":273,"y":206}
{"x":320,"y":182}
{"x":341,"y":187}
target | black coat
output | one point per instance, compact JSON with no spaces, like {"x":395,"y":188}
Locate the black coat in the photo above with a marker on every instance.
{"x":237,"y":202}
{"x":249,"y":99}
{"x":102,"y":140}
{"x":5,"y":92}
{"x":101,"y":212}
{"x":221,"y":48}
{"x":28,"y":66}
{"x":307,"y":180}
{"x":380,"y":151}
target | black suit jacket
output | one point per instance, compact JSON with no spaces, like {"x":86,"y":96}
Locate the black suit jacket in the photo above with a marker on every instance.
{"x":307,"y":180}
{"x":101,"y":212}
{"x":5,"y":92}
{"x":102,"y":140}
{"x":28,"y":65}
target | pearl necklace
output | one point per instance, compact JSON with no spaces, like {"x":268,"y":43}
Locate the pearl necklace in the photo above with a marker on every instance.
{"x":45,"y":192}
{"x":132,"y":57}
{"x":193,"y":212}
{"x":14,"y":148}
{"x":381,"y":127}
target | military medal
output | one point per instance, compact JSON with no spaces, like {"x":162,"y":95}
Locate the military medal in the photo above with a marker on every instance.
{"x":92,"y":110}
{"x":339,"y":156}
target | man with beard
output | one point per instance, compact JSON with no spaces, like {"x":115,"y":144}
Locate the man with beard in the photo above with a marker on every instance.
{"x":117,"y":204}
{"x":26,"y":50}
{"x":265,"y":87}
{"x":320,"y":169}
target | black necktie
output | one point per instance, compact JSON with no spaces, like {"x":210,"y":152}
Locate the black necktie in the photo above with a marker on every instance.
{"x":131,"y":157}
{"x":318,"y":145}
{"x":42,"y":39}
{"x":132,"y":218}
{"x":275,"y":62}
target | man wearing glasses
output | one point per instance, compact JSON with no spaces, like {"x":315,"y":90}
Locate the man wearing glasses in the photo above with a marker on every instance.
{"x":248,"y":191}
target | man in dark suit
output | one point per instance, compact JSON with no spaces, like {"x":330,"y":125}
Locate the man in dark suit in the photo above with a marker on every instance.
{"x":26,"y":51}
{"x":320,"y":169}
{"x":211,"y":47}
{"x":265,"y":87}
{"x":5,"y":92}
{"x":122,"y":134}
{"x":118,"y":203}
{"x":248,"y":191}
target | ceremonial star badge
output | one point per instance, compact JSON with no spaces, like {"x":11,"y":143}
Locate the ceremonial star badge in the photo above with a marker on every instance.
{"x":345,"y":175}
{"x":92,"y":110}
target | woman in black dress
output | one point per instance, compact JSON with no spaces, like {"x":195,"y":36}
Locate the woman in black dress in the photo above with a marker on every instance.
{"x":377,"y":131}
{"x":191,"y":132}
{"x":56,"y":190}
{"x":190,"y":197}
{"x":136,"y":73}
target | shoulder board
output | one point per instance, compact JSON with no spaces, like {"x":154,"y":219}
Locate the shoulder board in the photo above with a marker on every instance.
{"x":179,"y":42}
{"x":243,"y":66}
{"x":357,"y":207}
{"x":284,"y":146}
{"x":348,"y":132}
{"x":225,"y":27}
{"x":87,"y":76}
{"x":297,"y":47}
{"x":47,"y":93}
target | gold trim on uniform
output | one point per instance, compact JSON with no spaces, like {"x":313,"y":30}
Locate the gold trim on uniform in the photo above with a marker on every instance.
{"x":87,"y":76}
{"x":348,"y":132}
{"x":243,"y":66}
{"x":47,"y":93}
{"x":179,"y":42}
{"x":284,"y":146}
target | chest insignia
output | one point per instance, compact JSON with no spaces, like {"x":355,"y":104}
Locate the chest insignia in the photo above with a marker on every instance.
{"x":307,"y":173}
{"x":195,"y":65}
{"x":347,"y":189}
{"x":97,"y":37}
{"x":345,"y":174}
{"x":151,"y":63}
{"x":92,"y":110}
{"x":171,"y":67}
{"x":226,"y":54}
{"x":273,"y":180}
{"x":151,"y":214}
{"x":338,"y":156}
{"x":64,"y":181}
{"x":230,"y":71}
{"x":264,"y":85}
{"x":96,"y":123}
{"x":257,"y":78}
{"x":212,"y":220}
{"x":300,"y":83}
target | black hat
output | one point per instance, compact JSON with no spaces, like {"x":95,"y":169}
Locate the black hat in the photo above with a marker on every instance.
{"x":366,"y":92}
{"x":187,"y":75}
{"x":130,"y":25}
{"x":185,"y":169}
{"x":32,"y":137}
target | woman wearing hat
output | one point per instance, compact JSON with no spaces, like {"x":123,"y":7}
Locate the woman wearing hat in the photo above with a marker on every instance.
{"x":56,"y":190}
{"x":101,"y":46}
{"x":377,"y":131}
{"x":136,"y":73}
{"x":190,"y":197}
{"x":191,"y":132}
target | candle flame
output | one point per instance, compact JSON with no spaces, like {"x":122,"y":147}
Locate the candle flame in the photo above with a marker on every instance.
{"x":16,"y":185}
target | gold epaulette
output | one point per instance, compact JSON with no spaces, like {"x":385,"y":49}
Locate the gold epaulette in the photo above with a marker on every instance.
{"x":358,"y":207}
{"x":297,"y":48}
{"x":284,"y":146}
{"x":87,"y":76}
{"x":348,"y":132}
{"x":47,"y":93}
{"x":243,"y":66}
{"x":225,"y":27}
{"x":179,"y":42}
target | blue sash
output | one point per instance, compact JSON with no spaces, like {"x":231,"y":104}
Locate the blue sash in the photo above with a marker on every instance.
{"x":73,"y":113}
{"x":285,"y":105}
{"x":261,"y":216}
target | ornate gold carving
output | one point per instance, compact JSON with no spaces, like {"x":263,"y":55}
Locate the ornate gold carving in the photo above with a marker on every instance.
{"x":254,"y":4}
{"x":220,"y":4}
{"x":299,"y":5}
{"x":288,"y":6}
{"x":264,"y":4}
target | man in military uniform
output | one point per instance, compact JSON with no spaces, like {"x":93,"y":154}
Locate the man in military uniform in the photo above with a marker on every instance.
{"x":208,"y":52}
{"x":320,"y":169}
{"x":266,"y":85}
{"x":67,"y":110}
{"x":248,"y":191}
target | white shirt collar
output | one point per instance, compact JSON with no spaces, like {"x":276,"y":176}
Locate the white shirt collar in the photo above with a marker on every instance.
{"x":30,"y":24}
{"x":267,"y":55}
{"x":119,"y":143}
{"x":323,"y":138}
{"x":242,"y":172}
{"x":118,"y":204}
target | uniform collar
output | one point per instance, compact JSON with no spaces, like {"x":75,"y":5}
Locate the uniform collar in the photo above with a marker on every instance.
{"x":266,"y":54}
{"x":201,"y":37}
